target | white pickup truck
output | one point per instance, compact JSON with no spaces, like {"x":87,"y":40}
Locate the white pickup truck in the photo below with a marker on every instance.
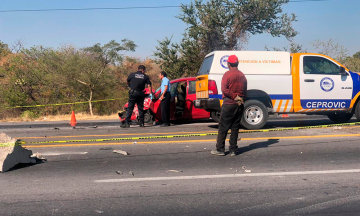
{"x":280,"y":82}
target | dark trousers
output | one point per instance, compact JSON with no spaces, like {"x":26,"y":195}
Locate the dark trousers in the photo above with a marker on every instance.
{"x":165,"y":109}
{"x":135,"y":97}
{"x":229,"y":119}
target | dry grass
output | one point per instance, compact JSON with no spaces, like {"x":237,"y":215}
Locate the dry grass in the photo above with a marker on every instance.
{"x":78,"y":116}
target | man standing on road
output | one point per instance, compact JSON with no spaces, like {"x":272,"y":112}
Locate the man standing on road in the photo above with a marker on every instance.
{"x":137,"y":82}
{"x":234,"y":88}
{"x":165,"y":99}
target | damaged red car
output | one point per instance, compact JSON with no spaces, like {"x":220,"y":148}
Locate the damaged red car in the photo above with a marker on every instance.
{"x":183,"y":94}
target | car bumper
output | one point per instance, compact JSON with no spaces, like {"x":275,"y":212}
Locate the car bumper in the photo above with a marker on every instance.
{"x":211,"y":104}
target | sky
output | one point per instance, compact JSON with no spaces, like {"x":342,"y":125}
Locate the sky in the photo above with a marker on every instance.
{"x":317,"y":20}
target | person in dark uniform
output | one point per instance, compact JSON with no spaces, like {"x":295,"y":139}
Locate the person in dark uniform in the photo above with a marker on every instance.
{"x":234,"y":89}
{"x":137,"y":82}
{"x":165,"y":99}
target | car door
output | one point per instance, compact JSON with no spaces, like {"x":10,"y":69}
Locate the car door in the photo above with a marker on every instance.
{"x":322,"y":87}
{"x":156,"y":103}
{"x":173,"y":93}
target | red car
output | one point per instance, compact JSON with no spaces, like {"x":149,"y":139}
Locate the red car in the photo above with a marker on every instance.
{"x":183,"y":94}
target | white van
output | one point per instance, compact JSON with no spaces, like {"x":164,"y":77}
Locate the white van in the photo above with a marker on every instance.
{"x":280,"y":82}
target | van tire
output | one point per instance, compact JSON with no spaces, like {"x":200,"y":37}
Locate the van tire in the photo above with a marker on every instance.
{"x":215,"y":116}
{"x":357,"y":111}
{"x":255,"y":115}
{"x":340,"y":117}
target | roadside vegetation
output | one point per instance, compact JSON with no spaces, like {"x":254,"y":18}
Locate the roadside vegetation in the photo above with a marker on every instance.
{"x":43,"y":75}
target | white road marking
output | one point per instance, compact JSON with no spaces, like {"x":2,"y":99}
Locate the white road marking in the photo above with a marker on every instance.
{"x":325,"y":205}
{"x":62,"y":153}
{"x":228,"y":176}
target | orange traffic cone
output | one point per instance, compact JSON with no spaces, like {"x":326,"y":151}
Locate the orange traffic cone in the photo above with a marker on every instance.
{"x":73,"y":119}
{"x":285,"y":116}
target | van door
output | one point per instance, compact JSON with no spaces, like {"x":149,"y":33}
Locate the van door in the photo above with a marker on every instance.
{"x":322,"y":87}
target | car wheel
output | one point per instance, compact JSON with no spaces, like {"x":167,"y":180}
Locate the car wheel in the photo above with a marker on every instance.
{"x":215,"y":116}
{"x":340,"y":117}
{"x":255,"y":115}
{"x":148,"y":118}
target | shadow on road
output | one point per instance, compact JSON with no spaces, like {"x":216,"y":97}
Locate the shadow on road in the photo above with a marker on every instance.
{"x":263,"y":144}
{"x":289,"y":123}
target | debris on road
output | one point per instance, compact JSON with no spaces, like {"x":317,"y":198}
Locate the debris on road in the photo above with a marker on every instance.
{"x":131,"y":173}
{"x":121,"y":152}
{"x":337,"y":128}
{"x":248,"y":171}
{"x":135,"y":142}
{"x":78,"y":128}
{"x":119,"y":172}
{"x":38,"y":156}
{"x":12,"y":153}
{"x":174,"y":171}
{"x":108,"y":148}
{"x":244,"y":167}
{"x":100,"y":212}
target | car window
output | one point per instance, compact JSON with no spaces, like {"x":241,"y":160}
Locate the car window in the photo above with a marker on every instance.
{"x":181,"y":87}
{"x":206,"y":65}
{"x":319,"y":65}
{"x":173,"y":87}
{"x":192,"y":87}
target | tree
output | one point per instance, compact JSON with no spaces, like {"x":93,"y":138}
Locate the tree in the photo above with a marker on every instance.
{"x":331,"y":48}
{"x":4,"y":49}
{"x":222,"y":25}
{"x":93,"y":64}
{"x":357,"y":55}
{"x":32,"y":77}
{"x":292,"y":48}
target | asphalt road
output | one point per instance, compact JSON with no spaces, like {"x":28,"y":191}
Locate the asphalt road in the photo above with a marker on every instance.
{"x":300,"y":172}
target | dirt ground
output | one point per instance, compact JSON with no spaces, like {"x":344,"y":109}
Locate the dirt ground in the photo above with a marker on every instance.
{"x":78,"y":116}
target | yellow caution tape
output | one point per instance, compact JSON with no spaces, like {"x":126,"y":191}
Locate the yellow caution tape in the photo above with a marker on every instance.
{"x":61,"y":104}
{"x":17,"y":143}
{"x":191,"y":135}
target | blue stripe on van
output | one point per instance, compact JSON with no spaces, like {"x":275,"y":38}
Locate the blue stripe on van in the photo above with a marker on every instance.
{"x":356,"y":83}
{"x":215,"y":96}
{"x":281,"y":97}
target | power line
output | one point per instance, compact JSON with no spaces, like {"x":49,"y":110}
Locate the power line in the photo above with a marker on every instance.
{"x":85,"y":9}
{"x":116,"y":8}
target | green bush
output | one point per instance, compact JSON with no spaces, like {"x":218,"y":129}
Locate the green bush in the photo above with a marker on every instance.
{"x":29,"y":115}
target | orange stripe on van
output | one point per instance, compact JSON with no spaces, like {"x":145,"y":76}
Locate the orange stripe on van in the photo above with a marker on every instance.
{"x":286,"y":105}
{"x":278,"y":109}
{"x":296,"y":81}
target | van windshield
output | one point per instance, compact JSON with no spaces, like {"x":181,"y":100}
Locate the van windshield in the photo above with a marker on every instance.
{"x":206,"y":65}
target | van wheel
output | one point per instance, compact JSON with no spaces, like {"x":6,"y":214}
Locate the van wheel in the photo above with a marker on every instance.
{"x":255,"y":115}
{"x":215,"y":116}
{"x":340,"y":117}
{"x":357,"y":111}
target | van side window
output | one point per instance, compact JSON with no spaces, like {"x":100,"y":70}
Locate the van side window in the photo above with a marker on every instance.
{"x":192,"y":87}
{"x":206,"y":65}
{"x":319,"y":65}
